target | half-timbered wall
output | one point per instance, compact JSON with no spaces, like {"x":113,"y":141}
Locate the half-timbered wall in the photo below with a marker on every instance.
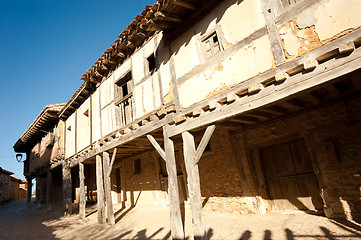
{"x":238,"y":55}
{"x":50,"y":147}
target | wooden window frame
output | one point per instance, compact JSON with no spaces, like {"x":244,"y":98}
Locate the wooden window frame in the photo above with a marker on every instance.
{"x":208,"y":44}
{"x":123,"y":100}
{"x":151,"y":63}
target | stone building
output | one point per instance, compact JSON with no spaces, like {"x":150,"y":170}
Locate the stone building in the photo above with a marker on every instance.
{"x":11,"y":188}
{"x":248,"y":106}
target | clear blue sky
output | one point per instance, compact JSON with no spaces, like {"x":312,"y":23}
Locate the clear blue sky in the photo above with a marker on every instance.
{"x":45,"y":48}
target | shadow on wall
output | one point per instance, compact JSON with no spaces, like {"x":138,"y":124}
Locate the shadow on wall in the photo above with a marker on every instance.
{"x":200,"y":29}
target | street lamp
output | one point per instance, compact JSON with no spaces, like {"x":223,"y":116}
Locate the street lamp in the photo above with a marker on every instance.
{"x":19,"y":156}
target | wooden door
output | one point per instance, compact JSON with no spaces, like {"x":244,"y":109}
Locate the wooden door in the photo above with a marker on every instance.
{"x":289,"y":174}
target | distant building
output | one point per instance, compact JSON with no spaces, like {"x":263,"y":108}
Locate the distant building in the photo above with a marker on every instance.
{"x":231,"y":106}
{"x":11,"y":188}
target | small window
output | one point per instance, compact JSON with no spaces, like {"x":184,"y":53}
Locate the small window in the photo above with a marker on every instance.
{"x":124,"y":86}
{"x":69,"y":128}
{"x":151,"y":63}
{"x":86,"y":113}
{"x":211,"y":44}
{"x":137,"y":166}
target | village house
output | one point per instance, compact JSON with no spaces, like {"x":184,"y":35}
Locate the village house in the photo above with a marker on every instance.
{"x":11,"y":188}
{"x":231,"y":106}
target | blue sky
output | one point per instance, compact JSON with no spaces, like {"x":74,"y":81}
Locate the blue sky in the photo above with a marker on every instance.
{"x":45,"y":48}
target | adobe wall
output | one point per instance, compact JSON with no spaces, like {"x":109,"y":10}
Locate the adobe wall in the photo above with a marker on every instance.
{"x":144,"y":188}
{"x":332,"y":137}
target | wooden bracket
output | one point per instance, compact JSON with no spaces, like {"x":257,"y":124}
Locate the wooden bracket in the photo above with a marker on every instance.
{"x":156,"y":146}
{"x":112,"y":162}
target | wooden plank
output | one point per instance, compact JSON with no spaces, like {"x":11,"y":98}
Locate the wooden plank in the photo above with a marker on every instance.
{"x":100,"y":190}
{"x":112,"y":162}
{"x":203,"y":144}
{"x":82,"y":201}
{"x":176,"y":223}
{"x":107,"y":188}
{"x":67,"y":191}
{"x":156,"y":146}
{"x":193,"y":182}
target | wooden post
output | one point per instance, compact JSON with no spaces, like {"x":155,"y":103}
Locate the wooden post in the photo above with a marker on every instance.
{"x":107,"y":187}
{"x":193,"y":183}
{"x":191,"y":159}
{"x":82,"y":201}
{"x":123,"y":183}
{"x":49,"y":191}
{"x":67,"y":191}
{"x":38,"y":191}
{"x":176,"y":223}
{"x":29,"y":193}
{"x":100,"y":190}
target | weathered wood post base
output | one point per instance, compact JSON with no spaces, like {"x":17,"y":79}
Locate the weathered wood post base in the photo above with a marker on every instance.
{"x":49,"y":191}
{"x":67,"y":195}
{"x":82,"y":200}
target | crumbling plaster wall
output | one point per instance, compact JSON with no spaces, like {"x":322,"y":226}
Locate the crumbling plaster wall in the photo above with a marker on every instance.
{"x":223,"y":70}
{"x":318,"y":25}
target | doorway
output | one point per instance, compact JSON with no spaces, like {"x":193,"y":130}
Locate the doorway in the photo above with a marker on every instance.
{"x":289,"y":175}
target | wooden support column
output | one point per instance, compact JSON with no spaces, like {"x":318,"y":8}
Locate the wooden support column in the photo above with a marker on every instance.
{"x":29,"y":193}
{"x":107,"y":187}
{"x":100,"y":190}
{"x":123,"y":185}
{"x":67,"y":191}
{"x":38,"y":191}
{"x":82,"y":201}
{"x":49,"y":191}
{"x":191,"y":158}
{"x":176,"y":223}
